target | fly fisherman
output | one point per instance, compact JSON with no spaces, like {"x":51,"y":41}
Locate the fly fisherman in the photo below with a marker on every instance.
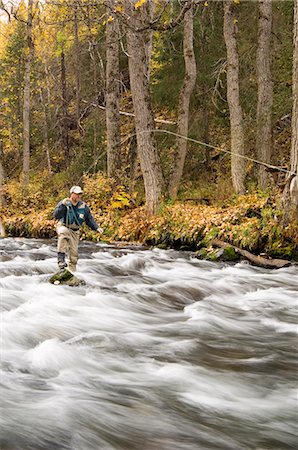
{"x":71,"y":213}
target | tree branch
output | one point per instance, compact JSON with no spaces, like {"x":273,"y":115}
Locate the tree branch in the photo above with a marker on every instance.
{"x":123,"y":113}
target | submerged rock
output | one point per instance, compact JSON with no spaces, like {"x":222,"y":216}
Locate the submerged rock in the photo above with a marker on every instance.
{"x":67,"y":278}
{"x":218,"y":254}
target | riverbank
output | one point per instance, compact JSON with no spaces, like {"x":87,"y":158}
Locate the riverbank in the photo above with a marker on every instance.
{"x":250,"y":222}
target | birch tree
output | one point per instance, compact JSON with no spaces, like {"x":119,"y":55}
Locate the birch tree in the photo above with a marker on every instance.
{"x":294,"y":142}
{"x":112,"y":92}
{"x":149,"y":7}
{"x":148,"y":35}
{"x":290,"y":193}
{"x":2,"y":176}
{"x":233,"y":97}
{"x":46,"y":130}
{"x":265,"y":90}
{"x":184,"y":101}
{"x":138,"y":23}
{"x":26,"y":99}
{"x":144,"y":120}
{"x":77,"y":60}
{"x":45,"y":97}
{"x":65,"y":119}
{"x":2,"y":231}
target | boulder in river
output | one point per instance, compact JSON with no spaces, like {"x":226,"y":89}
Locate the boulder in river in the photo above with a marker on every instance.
{"x":67,"y":278}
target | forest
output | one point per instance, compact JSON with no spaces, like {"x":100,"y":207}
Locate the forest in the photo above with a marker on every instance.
{"x":178,"y":118}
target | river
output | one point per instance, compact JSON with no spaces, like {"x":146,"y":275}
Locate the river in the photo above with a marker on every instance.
{"x":159,"y":351}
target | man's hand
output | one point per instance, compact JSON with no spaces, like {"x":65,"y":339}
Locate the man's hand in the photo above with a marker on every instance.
{"x":99,"y":230}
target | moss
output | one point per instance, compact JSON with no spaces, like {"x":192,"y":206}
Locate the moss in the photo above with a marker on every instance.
{"x":287,"y":251}
{"x":66,"y":277}
{"x":229,"y":254}
{"x":218,"y":254}
{"x":212,"y":256}
{"x":202,"y":253}
{"x":162,"y":246}
{"x":61,"y":276}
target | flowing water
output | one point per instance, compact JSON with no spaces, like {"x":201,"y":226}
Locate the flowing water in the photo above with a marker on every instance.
{"x":159,"y":351}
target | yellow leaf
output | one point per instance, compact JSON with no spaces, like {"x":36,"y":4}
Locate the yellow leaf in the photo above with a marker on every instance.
{"x":139,"y":3}
{"x":110,"y":19}
{"x":116,"y":204}
{"x":235,"y":21}
{"x":206,"y":4}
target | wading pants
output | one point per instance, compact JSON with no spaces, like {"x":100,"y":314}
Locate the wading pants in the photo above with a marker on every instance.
{"x":68,"y":242}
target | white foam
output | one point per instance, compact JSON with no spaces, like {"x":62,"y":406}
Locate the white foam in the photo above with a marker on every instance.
{"x":155,"y":348}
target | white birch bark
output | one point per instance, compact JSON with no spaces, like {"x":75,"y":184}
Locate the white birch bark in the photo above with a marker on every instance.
{"x":294,"y":142}
{"x":265,"y":91}
{"x":26,"y":99}
{"x":233,"y":96}
{"x":2,"y":177}
{"x":148,"y":35}
{"x":77,"y":62}
{"x":46,"y":131}
{"x":144,"y":120}
{"x":184,"y":101}
{"x":112,"y":94}
{"x":290,"y":193}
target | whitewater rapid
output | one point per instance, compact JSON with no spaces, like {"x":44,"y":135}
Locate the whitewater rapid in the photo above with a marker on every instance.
{"x":159,"y":351}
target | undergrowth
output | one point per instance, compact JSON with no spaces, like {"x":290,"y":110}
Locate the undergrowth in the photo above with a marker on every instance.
{"x":252,"y":222}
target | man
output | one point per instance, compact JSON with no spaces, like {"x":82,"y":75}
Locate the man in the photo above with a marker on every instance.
{"x":72,"y":212}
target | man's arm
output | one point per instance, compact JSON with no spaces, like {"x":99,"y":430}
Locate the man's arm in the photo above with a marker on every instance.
{"x":89,"y":219}
{"x":59,"y":211}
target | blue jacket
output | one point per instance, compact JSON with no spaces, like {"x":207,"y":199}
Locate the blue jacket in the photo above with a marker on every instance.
{"x":74,"y":216}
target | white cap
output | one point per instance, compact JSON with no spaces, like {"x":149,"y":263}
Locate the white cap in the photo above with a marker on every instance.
{"x":76,"y":190}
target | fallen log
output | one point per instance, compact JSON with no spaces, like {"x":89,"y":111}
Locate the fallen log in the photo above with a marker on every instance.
{"x":257,"y":260}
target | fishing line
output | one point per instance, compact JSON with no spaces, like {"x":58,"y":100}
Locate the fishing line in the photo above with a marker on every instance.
{"x":195,"y":141}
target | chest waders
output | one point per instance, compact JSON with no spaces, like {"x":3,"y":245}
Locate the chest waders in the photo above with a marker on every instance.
{"x":69,"y":237}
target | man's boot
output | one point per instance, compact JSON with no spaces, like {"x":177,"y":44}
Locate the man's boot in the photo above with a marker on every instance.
{"x":61,"y":261}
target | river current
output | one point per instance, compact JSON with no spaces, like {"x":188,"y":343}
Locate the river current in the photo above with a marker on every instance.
{"x":159,"y":351}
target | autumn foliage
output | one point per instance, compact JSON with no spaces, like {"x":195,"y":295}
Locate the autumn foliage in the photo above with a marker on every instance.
{"x":251,"y":222}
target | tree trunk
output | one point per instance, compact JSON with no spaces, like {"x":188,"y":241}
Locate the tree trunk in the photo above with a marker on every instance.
{"x":236,"y":118}
{"x":112,"y":95}
{"x":2,"y":200}
{"x":45,"y":96}
{"x":148,"y":14}
{"x":265,"y":90}
{"x":77,"y":63}
{"x":144,"y":120}
{"x":294,"y":144}
{"x":26,"y":99}
{"x":133,"y":163}
{"x":46,"y":130}
{"x":97,"y":80}
{"x":290,"y":193}
{"x":184,"y":101}
{"x":203,"y":89}
{"x":2,"y":177}
{"x":65,"y":117}
{"x":294,"y":141}
{"x":148,"y":35}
